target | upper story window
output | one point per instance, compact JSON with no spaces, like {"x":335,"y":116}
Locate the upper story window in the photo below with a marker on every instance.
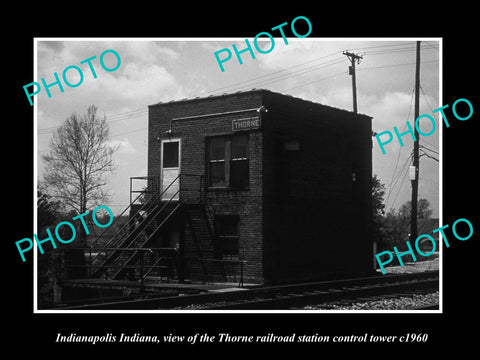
{"x":170,"y":154}
{"x":228,"y":161}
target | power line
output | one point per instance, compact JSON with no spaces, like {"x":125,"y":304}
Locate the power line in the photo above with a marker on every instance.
{"x":270,"y":74}
{"x":401,"y":184}
{"x":286,"y":76}
{"x":431,"y":45}
{"x":128,"y":115}
{"x":331,"y":62}
{"x":400,"y":151}
{"x":133,"y":114}
{"x":384,"y":52}
{"x":431,"y":109}
{"x":429,"y":143}
{"x":129,"y":132}
{"x":392,"y":51}
{"x":397,"y":178}
{"x":381,"y":46}
{"x":429,"y":156}
{"x":315,"y":81}
{"x":143,"y":111}
{"x":111,"y":136}
{"x":426,"y":99}
{"x":303,"y":71}
{"x":422,"y":146}
{"x":358,"y":69}
{"x":393,"y":65}
{"x":296,"y":73}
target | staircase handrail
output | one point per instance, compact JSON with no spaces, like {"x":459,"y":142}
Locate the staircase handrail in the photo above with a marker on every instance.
{"x":119,"y":216}
{"x":149,"y":222}
{"x":148,"y":204}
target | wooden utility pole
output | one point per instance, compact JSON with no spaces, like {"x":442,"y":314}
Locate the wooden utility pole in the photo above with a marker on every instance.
{"x":416,"y":145}
{"x":351,"y":71}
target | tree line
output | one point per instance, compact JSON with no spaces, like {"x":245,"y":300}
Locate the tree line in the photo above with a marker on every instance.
{"x":392,"y":228}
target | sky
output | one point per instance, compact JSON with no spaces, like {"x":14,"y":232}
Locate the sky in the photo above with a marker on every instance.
{"x":314,"y":69}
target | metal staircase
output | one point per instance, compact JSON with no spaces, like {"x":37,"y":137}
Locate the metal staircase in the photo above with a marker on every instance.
{"x":129,"y":253}
{"x":201,"y":233}
{"x":151,"y":225}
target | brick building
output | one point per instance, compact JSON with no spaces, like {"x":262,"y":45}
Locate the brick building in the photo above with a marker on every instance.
{"x":269,"y":185}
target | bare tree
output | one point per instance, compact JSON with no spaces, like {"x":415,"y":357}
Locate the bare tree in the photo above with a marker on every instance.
{"x":79,"y":160}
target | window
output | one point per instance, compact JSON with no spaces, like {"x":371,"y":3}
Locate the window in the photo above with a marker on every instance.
{"x":239,"y":163}
{"x":226,"y":230}
{"x":217,"y":162}
{"x":170,"y":154}
{"x":228,"y":161}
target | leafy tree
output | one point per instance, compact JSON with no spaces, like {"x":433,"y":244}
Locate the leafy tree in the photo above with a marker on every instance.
{"x":423,"y":209}
{"x":397,"y":229}
{"x":47,"y":216}
{"x":378,"y":210}
{"x":47,"y":210}
{"x":397,"y":224}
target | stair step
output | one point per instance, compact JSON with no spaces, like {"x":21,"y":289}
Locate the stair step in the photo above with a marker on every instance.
{"x":140,"y":233}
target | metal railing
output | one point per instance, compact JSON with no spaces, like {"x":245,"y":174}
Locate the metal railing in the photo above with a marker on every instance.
{"x":153,"y":185}
{"x":150,"y":200}
{"x":166,"y":261}
{"x":151,"y":189}
{"x":190,"y":189}
{"x":231,"y":268}
{"x":143,"y":268}
{"x":231,"y":262}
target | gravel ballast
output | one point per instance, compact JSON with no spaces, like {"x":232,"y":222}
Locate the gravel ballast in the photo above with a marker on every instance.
{"x":397,"y":302}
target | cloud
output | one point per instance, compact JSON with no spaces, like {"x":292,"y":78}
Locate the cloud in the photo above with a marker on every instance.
{"x":287,"y":55}
{"x":388,"y":109}
{"x":139,"y":83}
{"x":141,"y":79}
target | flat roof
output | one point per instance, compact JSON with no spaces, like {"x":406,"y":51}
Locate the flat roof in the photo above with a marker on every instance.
{"x":201,"y":98}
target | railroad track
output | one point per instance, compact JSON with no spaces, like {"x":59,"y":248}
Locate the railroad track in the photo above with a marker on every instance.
{"x":343,"y":292}
{"x":283,"y":296}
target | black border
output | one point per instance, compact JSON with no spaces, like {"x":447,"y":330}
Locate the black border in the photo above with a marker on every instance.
{"x":450,"y":330}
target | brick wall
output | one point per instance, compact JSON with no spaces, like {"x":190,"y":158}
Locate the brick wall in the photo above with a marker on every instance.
{"x":316,"y":217}
{"x":247,"y":204}
{"x":303,"y":216}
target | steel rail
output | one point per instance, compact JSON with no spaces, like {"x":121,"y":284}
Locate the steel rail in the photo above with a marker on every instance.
{"x":262,"y":296}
